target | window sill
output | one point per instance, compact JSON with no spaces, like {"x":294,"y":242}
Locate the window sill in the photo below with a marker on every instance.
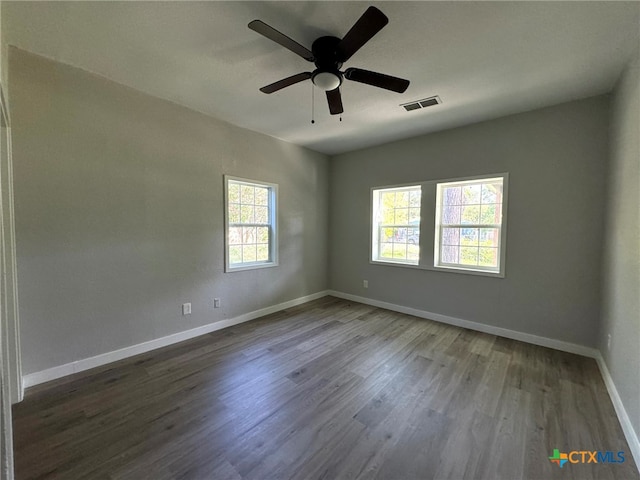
{"x":395,"y":264}
{"x":464,"y":271}
{"x":251,"y":266}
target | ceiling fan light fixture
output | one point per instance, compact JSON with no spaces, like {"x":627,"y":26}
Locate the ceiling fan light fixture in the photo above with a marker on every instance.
{"x":326,"y":81}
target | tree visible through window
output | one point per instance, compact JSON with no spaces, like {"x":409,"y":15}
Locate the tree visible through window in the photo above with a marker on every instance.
{"x":469,"y":223}
{"x":396,"y":235}
{"x":462,"y":221}
{"x":250,"y":223}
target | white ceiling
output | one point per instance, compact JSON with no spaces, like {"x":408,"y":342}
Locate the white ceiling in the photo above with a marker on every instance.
{"x":484,"y":59}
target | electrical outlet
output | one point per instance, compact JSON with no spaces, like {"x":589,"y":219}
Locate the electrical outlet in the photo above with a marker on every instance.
{"x":216,"y":303}
{"x":609,"y":342}
{"x":365,"y":283}
{"x":186,"y":309}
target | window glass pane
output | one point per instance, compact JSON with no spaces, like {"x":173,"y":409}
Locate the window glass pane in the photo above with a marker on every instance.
{"x":491,"y":193}
{"x":234,"y":213}
{"x":413,"y":236}
{"x":450,"y":215}
{"x":247,"y":214}
{"x":470,"y":215}
{"x":464,"y":207}
{"x":452,"y":196}
{"x":488,"y":257}
{"x":249,"y":253}
{"x":400,"y":235}
{"x":469,"y":236}
{"x":450,"y":254}
{"x":386,"y":250}
{"x":401,"y":216}
{"x":469,"y":255}
{"x":414,"y":198}
{"x":400,"y":250}
{"x":396,"y":224}
{"x":386,"y":235}
{"x":261,"y":215}
{"x":263,"y":234}
{"x":402,"y":199}
{"x":451,"y":236}
{"x":388,"y":200}
{"x":235,"y":235}
{"x":471,"y":194}
{"x":249,"y":204}
{"x":490,"y":214}
{"x":247,"y":194}
{"x":489,"y":237}
{"x":235,"y":254}
{"x":262,"y":252}
{"x":234,"y":193}
{"x":248,"y":235}
{"x":262,"y":196}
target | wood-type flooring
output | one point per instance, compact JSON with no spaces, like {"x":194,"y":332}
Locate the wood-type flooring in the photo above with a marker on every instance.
{"x":330,"y":389}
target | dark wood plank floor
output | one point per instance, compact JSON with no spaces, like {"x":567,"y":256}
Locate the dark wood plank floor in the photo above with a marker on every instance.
{"x":328,"y":390}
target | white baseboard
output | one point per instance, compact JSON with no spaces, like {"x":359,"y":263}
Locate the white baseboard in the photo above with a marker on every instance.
{"x":623,"y":417}
{"x":105,"y":358}
{"x":480,"y":327}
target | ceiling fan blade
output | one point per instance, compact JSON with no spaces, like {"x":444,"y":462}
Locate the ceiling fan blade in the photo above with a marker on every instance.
{"x":377,"y":79}
{"x":370,"y":23}
{"x":285,"y":82}
{"x":335,"y":101}
{"x":280,"y":38}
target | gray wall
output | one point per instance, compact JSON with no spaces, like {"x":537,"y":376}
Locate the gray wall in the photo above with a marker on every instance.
{"x":3,"y":48}
{"x":119,"y":214}
{"x":557,"y":160}
{"x":621,"y":304}
{"x":9,"y":349}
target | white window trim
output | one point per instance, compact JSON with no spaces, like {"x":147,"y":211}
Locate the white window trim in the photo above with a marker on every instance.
{"x":273,"y":215}
{"x":373,"y":214}
{"x":429,"y":228}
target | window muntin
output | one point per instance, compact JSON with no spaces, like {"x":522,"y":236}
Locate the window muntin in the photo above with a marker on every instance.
{"x":461,"y":229}
{"x":396,"y":225}
{"x":250,"y":224}
{"x":469,"y":224}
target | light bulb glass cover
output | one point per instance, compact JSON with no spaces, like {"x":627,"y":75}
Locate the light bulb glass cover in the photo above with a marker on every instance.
{"x":326,"y":81}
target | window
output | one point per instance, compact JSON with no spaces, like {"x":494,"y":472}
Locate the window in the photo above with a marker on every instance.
{"x":251,"y":236}
{"x":396,"y":224}
{"x":469,"y":224}
{"x":455,"y":225}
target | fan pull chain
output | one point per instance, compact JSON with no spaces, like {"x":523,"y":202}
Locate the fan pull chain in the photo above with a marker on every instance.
{"x":312,"y":104}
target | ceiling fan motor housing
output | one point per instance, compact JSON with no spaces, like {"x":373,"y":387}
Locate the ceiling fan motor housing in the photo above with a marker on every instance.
{"x":325,"y":56}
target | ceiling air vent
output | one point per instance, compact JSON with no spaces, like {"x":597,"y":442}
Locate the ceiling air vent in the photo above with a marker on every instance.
{"x":411,"y":106}
{"x":424,"y":103}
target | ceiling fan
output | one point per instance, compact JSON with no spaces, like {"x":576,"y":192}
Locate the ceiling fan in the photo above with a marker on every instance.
{"x":329,"y":53}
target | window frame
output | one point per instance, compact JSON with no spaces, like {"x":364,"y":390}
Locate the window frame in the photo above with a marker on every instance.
{"x":438,"y":228}
{"x":429,"y":229}
{"x":273,"y":225}
{"x":372,"y":250}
